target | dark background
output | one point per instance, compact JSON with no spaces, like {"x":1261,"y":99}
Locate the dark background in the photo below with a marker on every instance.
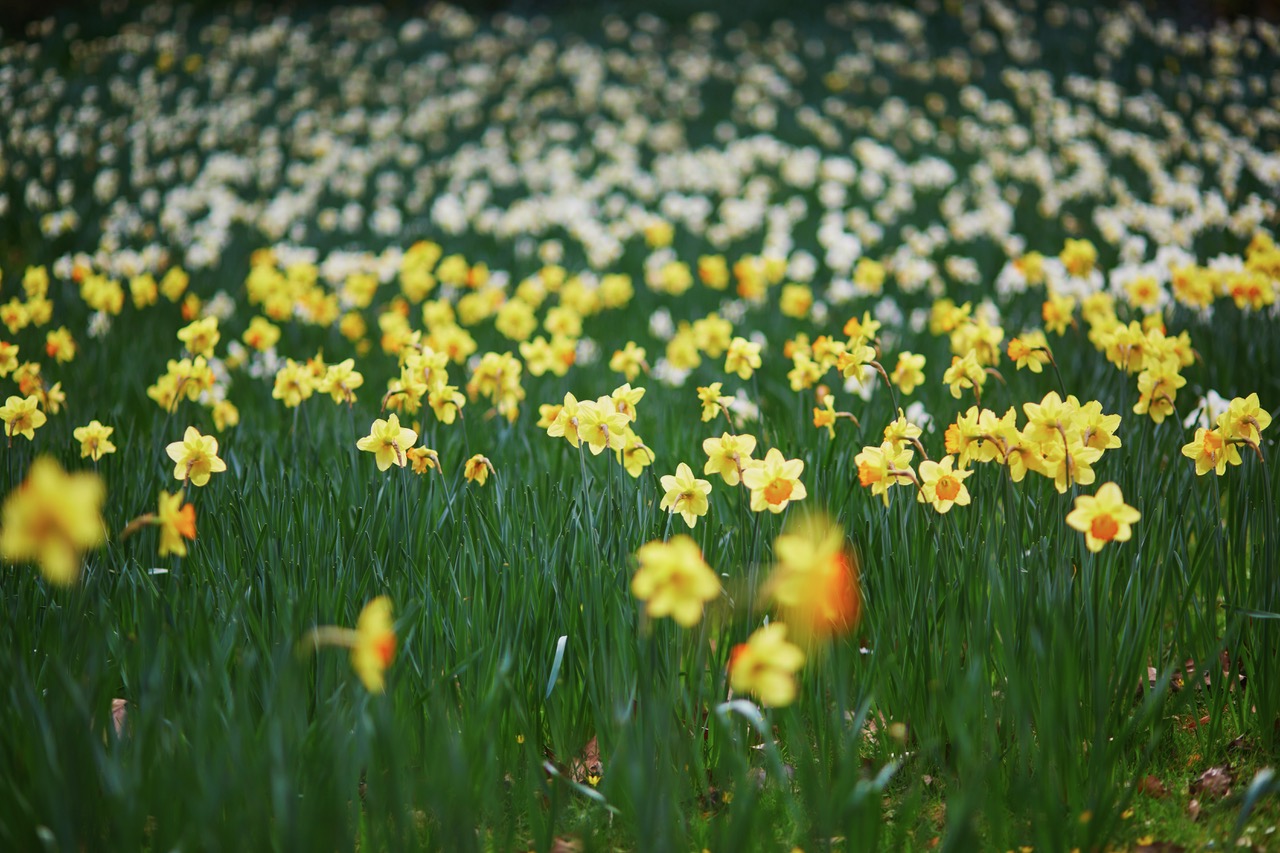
{"x":17,"y":15}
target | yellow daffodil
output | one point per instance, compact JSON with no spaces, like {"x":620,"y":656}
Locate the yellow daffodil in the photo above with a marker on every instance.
{"x":882,"y":467}
{"x":729,"y":456}
{"x":372,"y":642}
{"x":201,"y":336}
{"x":685,"y":494}
{"x":814,"y":582}
{"x":766,"y":666}
{"x":713,"y":401}
{"x":774,"y":482}
{"x":742,"y":358}
{"x":51,"y":519}
{"x":22,"y":416}
{"x":942,"y":486}
{"x":388,"y":442}
{"x":602,"y":426}
{"x":423,"y":459}
{"x":629,"y":361}
{"x":195,"y":457}
{"x":478,"y":469}
{"x":1211,"y":452}
{"x":674,"y":580}
{"x":95,"y":440}
{"x":908,"y":373}
{"x":1103,"y":517}
{"x":177,"y":522}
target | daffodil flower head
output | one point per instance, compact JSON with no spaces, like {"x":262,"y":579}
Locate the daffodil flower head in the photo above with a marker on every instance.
{"x":95,"y":440}
{"x":388,"y":442}
{"x":774,"y":482}
{"x":729,"y":456}
{"x":766,"y":666}
{"x":1103,"y":517}
{"x":685,"y":494}
{"x":195,"y":458}
{"x":814,"y":582}
{"x":51,"y":519}
{"x":674,"y":580}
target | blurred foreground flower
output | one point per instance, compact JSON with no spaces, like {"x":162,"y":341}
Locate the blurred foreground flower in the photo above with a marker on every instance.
{"x":674,"y":580}
{"x":815,"y":580}
{"x":765,"y":666}
{"x":52,"y":518}
{"x":372,"y":643}
{"x":1103,"y":517}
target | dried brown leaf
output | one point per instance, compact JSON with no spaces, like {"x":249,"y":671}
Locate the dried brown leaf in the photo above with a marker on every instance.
{"x":1153,"y":787}
{"x":1214,"y":782}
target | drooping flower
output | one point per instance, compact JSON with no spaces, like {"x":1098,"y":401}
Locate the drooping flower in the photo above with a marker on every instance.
{"x":685,"y":494}
{"x":423,"y":459}
{"x":674,"y":580}
{"x":766,"y":666}
{"x":1103,"y":517}
{"x":774,"y":482}
{"x":51,"y":519}
{"x":388,"y":442}
{"x":195,"y":457}
{"x":478,"y":469}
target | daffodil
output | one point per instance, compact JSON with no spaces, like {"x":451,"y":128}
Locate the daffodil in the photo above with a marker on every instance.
{"x":674,"y":580}
{"x":602,"y":426}
{"x":774,"y":482}
{"x":882,"y":467}
{"x":340,"y":382}
{"x":629,"y":361}
{"x":177,"y":522}
{"x":814,"y":582}
{"x":942,"y":486}
{"x":423,"y":459}
{"x":388,"y":442}
{"x":685,"y":494}
{"x":22,"y":416}
{"x":95,"y":440}
{"x":372,"y":642}
{"x":477,"y":469}
{"x":713,"y":402}
{"x":766,"y":666}
{"x":742,"y":358}
{"x":1103,"y":517}
{"x":51,"y":519}
{"x":729,"y":456}
{"x":908,"y":373}
{"x":635,"y":455}
{"x":195,"y":457}
{"x":1211,"y":451}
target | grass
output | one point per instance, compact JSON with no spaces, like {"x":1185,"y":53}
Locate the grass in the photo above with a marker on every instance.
{"x":996,"y":692}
